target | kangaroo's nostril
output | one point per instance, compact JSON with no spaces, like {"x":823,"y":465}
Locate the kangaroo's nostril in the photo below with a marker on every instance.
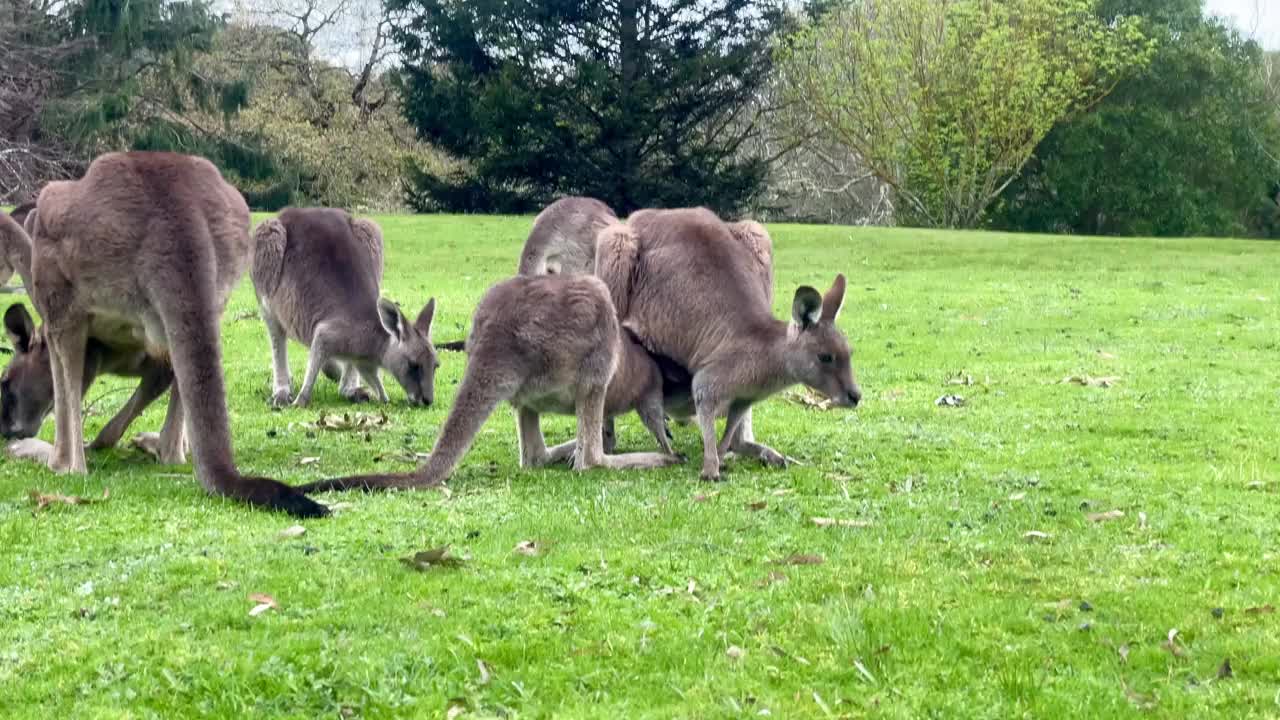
{"x":855,"y":398}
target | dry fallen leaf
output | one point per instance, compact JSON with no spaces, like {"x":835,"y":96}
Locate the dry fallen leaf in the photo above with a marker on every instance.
{"x":801,"y":560}
{"x":1124,"y":653}
{"x":264,"y":603}
{"x":427,"y":559}
{"x":1107,"y":516}
{"x":758,"y":505}
{"x":1106,"y":355}
{"x":484,"y":671}
{"x":292,"y":531}
{"x":949,"y":401}
{"x":347,"y":422}
{"x":808,"y":398}
{"x":44,"y":500}
{"x":1142,"y":521}
{"x":1224,"y":670}
{"x":1263,"y":610}
{"x":1172,"y":644}
{"x":456,"y":707}
{"x":1033,"y":535}
{"x":735,"y":653}
{"x":308,"y":461}
{"x":1089,"y":381}
{"x":340,"y":506}
{"x":833,"y":522}
{"x":528,"y":547}
{"x":703,"y":497}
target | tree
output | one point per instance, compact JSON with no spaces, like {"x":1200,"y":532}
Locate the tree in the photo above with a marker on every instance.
{"x":78,"y":77}
{"x":944,"y":100}
{"x":1189,"y":146}
{"x":636,"y":102}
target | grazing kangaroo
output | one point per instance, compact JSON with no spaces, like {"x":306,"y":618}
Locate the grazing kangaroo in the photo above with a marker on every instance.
{"x":682,"y":284}
{"x":26,"y":388}
{"x":26,"y":393}
{"x":547,"y":344}
{"x":143,"y":251}
{"x":317,"y":274}
{"x":563,"y":240}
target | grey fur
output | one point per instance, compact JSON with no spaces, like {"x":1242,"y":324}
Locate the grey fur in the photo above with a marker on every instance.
{"x":317,"y":274}
{"x":546,"y":344}
{"x":564,"y":239}
{"x":26,"y":389}
{"x":693,"y":296}
{"x":142,"y":252}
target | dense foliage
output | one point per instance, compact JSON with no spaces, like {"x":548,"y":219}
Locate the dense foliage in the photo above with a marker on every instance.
{"x":946,"y":99}
{"x":636,"y":102}
{"x":1189,"y":146}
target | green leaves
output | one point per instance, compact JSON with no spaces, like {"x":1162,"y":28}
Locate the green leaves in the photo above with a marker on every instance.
{"x":945,"y":101}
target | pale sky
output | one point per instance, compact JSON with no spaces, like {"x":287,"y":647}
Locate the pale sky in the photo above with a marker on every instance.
{"x":1258,"y":19}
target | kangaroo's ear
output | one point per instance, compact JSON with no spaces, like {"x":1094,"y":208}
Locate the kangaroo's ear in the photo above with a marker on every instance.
{"x":833,"y":300}
{"x":423,"y":323}
{"x":806,"y":309}
{"x":392,"y":319}
{"x":18,"y":324}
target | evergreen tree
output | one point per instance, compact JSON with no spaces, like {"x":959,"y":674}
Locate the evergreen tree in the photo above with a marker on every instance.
{"x":636,"y":102}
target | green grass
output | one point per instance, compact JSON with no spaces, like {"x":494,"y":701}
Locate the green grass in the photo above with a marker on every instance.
{"x":137,"y":607}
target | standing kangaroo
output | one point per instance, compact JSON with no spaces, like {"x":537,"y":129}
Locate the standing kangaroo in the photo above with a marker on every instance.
{"x":317,"y":274}
{"x":144,"y":251}
{"x":563,"y":240}
{"x":683,"y":285}
{"x":548,"y":344}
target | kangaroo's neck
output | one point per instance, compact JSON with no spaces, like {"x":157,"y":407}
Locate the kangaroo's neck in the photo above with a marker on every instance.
{"x":774,"y":355}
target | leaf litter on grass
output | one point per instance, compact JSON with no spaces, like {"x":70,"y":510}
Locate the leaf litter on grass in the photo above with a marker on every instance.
{"x":263,"y":602}
{"x":349,"y":422}
{"x":44,"y":500}
{"x":434,"y":558}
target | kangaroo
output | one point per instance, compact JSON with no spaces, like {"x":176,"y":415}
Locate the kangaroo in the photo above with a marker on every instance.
{"x":563,"y":240}
{"x":15,"y":250}
{"x":143,"y":252}
{"x":546,"y":344}
{"x":26,"y":393}
{"x":317,"y":273}
{"x":682,"y":284}
{"x":26,"y":388}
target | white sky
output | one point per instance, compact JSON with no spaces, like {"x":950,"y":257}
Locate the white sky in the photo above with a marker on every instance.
{"x":1258,"y":19}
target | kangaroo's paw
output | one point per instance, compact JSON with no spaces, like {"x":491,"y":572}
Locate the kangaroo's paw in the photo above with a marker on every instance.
{"x":280,"y":399}
{"x":358,"y":395}
{"x":31,"y":449}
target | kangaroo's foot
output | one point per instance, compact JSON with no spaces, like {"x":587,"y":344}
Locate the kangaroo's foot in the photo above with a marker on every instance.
{"x":31,"y":449}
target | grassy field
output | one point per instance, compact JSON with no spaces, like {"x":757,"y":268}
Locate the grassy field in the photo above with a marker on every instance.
{"x":984,"y":573}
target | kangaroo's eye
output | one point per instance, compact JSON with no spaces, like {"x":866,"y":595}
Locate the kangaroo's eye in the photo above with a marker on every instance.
{"x":826,"y":358}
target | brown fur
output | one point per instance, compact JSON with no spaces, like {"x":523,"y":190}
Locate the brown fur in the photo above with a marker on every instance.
{"x":15,"y":250}
{"x":693,"y":296}
{"x":317,"y":274}
{"x":546,"y":344}
{"x":26,"y":393}
{"x":143,"y":251}
{"x":562,"y":240}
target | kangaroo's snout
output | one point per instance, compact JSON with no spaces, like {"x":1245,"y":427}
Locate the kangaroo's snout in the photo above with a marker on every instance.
{"x":853,"y":397}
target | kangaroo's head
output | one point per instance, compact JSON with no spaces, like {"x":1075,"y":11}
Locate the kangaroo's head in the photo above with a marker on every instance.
{"x":819,"y":353}
{"x":411,"y":357}
{"x":26,"y":388}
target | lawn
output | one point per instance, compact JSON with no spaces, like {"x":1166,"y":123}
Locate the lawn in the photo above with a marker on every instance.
{"x":1026,"y":554}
